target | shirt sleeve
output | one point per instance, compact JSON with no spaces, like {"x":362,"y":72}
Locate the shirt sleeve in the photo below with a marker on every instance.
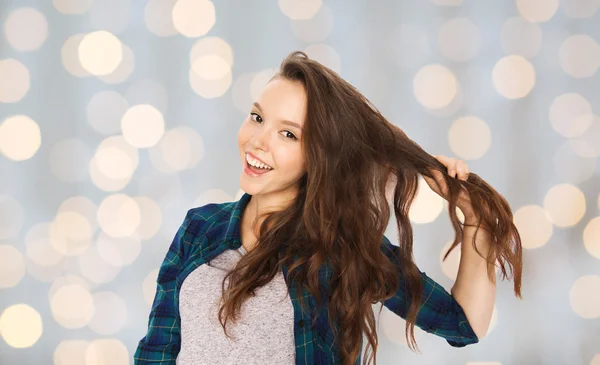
{"x":440,"y":313}
{"x":162,"y":341}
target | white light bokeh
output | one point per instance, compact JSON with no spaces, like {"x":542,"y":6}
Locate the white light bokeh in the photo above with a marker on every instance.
{"x":150,"y":217}
{"x":211,"y":67}
{"x":534,"y":226}
{"x":579,"y":56}
{"x":72,"y":6}
{"x":105,"y":110}
{"x":11,"y":217}
{"x":124,"y":70}
{"x":20,"y":137}
{"x":72,"y":306}
{"x":315,"y":29}
{"x":107,"y":351}
{"x":70,"y":352}
{"x":70,"y":234}
{"x":110,"y":314}
{"x":326,"y":55}
{"x":180,"y":149}
{"x":20,"y":326}
{"x":14,"y":77}
{"x":210,"y":88}
{"x":143,"y":125}
{"x":111,"y":15}
{"x":571,"y":167}
{"x":158,"y":17}
{"x":100,"y":52}
{"x":513,"y":76}
{"x":66,"y":280}
{"x":519,"y":36}
{"x":121,"y":251}
{"x":38,"y":247}
{"x":435,"y":86}
{"x":213,"y":47}
{"x":70,"y":56}
{"x":12,"y":266}
{"x":570,"y":114}
{"x":469,"y":137}
{"x":459,"y":39}
{"x":393,"y":327}
{"x":584,"y":296}
{"x":581,"y":8}
{"x":426,"y":206}
{"x":591,"y":237}
{"x":565,"y":204}
{"x":537,"y":10}
{"x":26,"y":29}
{"x":93,"y":267}
{"x":119,"y":215}
{"x":299,"y":9}
{"x":193,"y":18}
{"x":99,"y":178}
{"x":587,"y":145}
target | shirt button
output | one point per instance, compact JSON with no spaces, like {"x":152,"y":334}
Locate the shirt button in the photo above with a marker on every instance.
{"x":301,"y":323}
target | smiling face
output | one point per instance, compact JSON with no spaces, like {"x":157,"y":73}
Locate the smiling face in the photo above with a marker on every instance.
{"x":272,"y":132}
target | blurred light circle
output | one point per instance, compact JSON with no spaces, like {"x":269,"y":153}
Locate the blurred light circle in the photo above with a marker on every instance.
{"x":584,"y":297}
{"x":70,"y":56}
{"x":513,"y":76}
{"x":426,"y":206}
{"x":193,"y":18}
{"x":214,"y":47}
{"x":537,"y":10}
{"x":435,"y":86}
{"x":72,"y":306}
{"x":105,"y":110}
{"x":70,"y":352}
{"x":591,"y":237}
{"x":118,"y":215}
{"x":534,"y":225}
{"x":20,"y":326}
{"x":143,"y":125}
{"x":565,"y":204}
{"x":158,"y":17}
{"x":299,"y":9}
{"x":100,"y":52}
{"x":26,"y":29}
{"x":570,"y":114}
{"x":469,"y":137}
{"x":20,"y":137}
{"x":110,"y":314}
{"x":107,"y":351}
{"x":579,"y":56}
{"x":15,"y":80}
{"x":124,"y":70}
{"x":315,"y":29}
{"x":12,"y":266}
{"x":326,"y":55}
{"x":72,"y":6}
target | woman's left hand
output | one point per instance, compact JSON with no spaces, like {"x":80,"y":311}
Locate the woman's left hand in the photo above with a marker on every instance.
{"x":456,"y":169}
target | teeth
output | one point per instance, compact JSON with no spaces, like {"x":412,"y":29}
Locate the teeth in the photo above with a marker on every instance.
{"x":257,"y":163}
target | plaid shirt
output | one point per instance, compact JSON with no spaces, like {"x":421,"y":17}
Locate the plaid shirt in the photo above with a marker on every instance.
{"x":211,"y":229}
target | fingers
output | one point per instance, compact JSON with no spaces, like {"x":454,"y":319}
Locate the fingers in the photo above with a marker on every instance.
{"x":456,"y":168}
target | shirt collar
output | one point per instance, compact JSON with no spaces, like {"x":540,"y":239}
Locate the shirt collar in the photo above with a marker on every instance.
{"x":232,"y":234}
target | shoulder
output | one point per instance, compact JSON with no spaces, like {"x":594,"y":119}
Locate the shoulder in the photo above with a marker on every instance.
{"x":200,"y":220}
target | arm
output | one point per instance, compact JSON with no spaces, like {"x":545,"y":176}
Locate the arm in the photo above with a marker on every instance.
{"x":473,"y":288}
{"x":161,"y":344}
{"x":439,"y":314}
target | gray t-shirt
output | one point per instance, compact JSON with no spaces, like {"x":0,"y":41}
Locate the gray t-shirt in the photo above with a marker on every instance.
{"x":263,"y":335}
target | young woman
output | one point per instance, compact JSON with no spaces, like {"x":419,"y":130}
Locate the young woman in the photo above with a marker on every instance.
{"x":288,"y":273}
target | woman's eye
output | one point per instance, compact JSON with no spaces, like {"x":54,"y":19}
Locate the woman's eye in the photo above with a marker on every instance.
{"x":291,"y":134}
{"x":258,"y":117}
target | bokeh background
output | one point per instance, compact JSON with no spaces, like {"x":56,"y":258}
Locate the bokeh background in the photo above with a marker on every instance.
{"x":117,"y":116}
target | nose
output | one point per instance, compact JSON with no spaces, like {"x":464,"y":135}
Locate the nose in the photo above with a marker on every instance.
{"x":260,"y":139}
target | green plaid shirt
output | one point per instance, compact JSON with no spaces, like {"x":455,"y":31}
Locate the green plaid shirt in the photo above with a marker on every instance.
{"x":209,"y":230}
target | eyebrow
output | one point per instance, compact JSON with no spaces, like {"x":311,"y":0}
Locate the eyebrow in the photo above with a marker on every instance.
{"x":293,"y":124}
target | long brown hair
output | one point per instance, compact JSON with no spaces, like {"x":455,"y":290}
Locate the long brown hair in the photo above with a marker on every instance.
{"x":341,"y":212}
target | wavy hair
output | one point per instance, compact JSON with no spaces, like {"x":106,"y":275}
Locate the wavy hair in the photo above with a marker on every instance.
{"x":341,"y":212}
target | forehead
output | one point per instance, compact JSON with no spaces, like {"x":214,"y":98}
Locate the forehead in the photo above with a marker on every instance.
{"x":283,"y":99}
